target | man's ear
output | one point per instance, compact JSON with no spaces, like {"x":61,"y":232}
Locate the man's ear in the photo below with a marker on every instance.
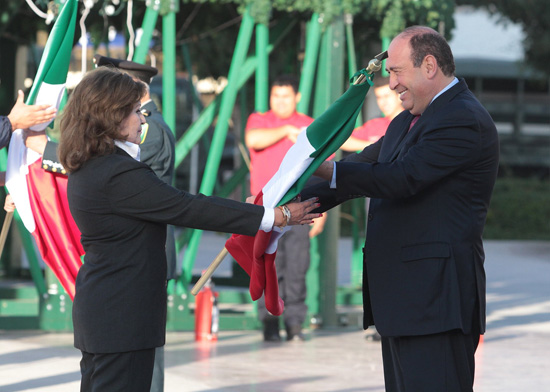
{"x":430,"y":66}
{"x":298,"y":97}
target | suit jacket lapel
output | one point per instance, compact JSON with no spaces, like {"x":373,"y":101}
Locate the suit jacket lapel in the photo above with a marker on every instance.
{"x":408,"y":136}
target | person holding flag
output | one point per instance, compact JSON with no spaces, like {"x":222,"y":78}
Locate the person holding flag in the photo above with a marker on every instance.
{"x":269,"y":136}
{"x":23,"y":116}
{"x":122,"y":208}
{"x":430,"y":180}
{"x":40,"y":197}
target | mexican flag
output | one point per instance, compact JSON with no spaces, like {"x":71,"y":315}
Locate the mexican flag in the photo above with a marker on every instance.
{"x":256,"y":255}
{"x":41,"y":197}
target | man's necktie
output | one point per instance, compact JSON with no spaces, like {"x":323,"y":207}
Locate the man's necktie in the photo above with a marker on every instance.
{"x":414,"y":120}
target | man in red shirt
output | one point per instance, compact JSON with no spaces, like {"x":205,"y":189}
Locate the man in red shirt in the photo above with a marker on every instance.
{"x":268,"y":137}
{"x":389,"y":104}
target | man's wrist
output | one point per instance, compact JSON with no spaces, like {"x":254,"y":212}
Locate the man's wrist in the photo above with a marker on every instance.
{"x":10,"y":122}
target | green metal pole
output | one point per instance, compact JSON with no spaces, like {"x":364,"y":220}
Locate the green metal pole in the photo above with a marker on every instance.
{"x":220,"y":132}
{"x":169,"y":69}
{"x":357,"y":205}
{"x":189,"y":67}
{"x":34,"y":267}
{"x":148,"y":26}
{"x":262,"y":71}
{"x":199,"y":127}
{"x":313,"y":40}
{"x":330,"y":83}
{"x":26,"y":239}
{"x":352,"y":58}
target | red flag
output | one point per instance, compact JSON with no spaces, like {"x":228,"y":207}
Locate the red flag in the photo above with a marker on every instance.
{"x":56,"y":234}
{"x":256,"y":255}
{"x":39,"y":196}
{"x":252,"y":255}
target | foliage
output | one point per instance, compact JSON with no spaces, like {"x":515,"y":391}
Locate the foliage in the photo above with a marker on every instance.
{"x":18,"y":22}
{"x":519,"y":209}
{"x":210,"y":27}
{"x":534,"y":16}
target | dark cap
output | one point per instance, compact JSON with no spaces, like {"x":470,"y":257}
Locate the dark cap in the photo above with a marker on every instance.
{"x":142,"y":72}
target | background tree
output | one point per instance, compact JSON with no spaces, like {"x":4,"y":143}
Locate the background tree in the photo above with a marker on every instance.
{"x":533,"y":16}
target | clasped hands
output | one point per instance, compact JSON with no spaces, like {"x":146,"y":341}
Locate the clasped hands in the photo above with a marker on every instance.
{"x":299,"y":212}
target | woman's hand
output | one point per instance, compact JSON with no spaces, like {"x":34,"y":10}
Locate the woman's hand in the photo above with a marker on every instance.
{"x":299,"y":213}
{"x":9,"y":205}
{"x":251,"y":199}
{"x":318,"y":226}
{"x":36,"y":141}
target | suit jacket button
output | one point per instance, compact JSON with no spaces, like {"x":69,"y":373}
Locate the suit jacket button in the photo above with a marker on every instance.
{"x":370,"y":217}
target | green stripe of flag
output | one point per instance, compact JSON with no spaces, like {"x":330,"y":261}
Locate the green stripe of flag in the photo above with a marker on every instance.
{"x":54,"y":64}
{"x":330,"y":130}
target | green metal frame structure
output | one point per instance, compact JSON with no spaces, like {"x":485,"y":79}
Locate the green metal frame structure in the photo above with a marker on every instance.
{"x":324,"y":62}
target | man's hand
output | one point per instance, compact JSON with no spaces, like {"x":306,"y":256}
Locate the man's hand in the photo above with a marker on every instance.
{"x":300,"y":213}
{"x":293,"y":132}
{"x":260,"y":138}
{"x":24,"y":116}
{"x":36,"y":141}
{"x":325,"y":170}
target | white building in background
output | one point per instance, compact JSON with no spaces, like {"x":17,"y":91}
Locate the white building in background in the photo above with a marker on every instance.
{"x":480,"y":35}
{"x":489,"y":55}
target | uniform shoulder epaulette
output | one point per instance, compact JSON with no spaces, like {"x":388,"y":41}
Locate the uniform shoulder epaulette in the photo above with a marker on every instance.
{"x":54,"y":167}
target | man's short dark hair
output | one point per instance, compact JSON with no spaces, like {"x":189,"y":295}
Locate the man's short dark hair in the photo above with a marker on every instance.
{"x":286,"y":80}
{"x":425,"y":41}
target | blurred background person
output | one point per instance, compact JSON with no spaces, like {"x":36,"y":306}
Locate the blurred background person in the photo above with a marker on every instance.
{"x":268,"y":137}
{"x":389,"y":104}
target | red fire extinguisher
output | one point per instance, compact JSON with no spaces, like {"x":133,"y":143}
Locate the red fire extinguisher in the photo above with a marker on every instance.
{"x":207,"y":313}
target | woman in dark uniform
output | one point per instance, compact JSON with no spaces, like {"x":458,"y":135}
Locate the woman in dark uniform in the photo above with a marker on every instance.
{"x":122,"y":208}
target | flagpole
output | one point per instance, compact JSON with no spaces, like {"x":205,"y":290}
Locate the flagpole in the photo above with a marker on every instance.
{"x":373,"y":66}
{"x":209,"y":272}
{"x":5,"y":230}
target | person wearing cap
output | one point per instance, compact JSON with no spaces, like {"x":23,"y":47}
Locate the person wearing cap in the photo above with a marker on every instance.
{"x":157,"y":149}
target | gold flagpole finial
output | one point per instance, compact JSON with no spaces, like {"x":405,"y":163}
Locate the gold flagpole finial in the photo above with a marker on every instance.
{"x":374,"y":66}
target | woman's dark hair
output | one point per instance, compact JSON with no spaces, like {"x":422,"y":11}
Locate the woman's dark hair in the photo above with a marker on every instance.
{"x":91,"y":120}
{"x":424,"y":41}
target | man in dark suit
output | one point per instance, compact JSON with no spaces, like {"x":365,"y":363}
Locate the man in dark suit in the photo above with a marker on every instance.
{"x":430,"y":179}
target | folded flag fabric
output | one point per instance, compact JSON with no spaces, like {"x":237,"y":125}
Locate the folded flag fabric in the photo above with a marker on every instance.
{"x":256,"y":255}
{"x":41,"y":197}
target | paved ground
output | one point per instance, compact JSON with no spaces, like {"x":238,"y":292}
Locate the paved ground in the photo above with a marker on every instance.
{"x":513,"y":357}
